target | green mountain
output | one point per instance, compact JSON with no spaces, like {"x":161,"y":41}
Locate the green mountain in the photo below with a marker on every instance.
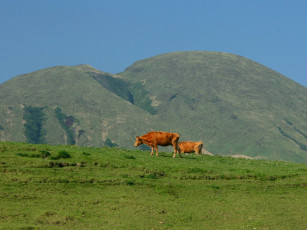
{"x":71,"y":105}
{"x":234,"y":105}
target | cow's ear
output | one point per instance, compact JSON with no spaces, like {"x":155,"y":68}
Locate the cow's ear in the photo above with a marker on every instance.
{"x":137,"y":137}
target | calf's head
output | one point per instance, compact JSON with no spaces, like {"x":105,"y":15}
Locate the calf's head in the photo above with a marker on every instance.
{"x":138,"y":141}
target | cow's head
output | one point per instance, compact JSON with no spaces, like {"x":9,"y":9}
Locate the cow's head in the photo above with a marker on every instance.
{"x":138,"y":141}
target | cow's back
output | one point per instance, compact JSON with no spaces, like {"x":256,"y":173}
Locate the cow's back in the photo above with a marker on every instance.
{"x":188,"y":147}
{"x":161,"y":138}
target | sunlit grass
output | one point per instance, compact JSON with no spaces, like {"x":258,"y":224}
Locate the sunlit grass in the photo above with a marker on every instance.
{"x":112,"y":188}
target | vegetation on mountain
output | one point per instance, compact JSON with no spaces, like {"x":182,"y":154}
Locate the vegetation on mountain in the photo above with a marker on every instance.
{"x":234,"y":105}
{"x":66,"y":123}
{"x":34,"y":124}
{"x":115,"y":85}
{"x":109,"y":143}
{"x":133,"y":93}
{"x":97,"y":112}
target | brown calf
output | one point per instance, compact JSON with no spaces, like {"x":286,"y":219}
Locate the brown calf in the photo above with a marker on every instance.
{"x":189,"y":147}
{"x":155,"y":138}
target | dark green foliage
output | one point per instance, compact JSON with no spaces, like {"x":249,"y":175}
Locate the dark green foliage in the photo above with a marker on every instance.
{"x":132,"y":92}
{"x":153,"y":174}
{"x":35,"y":118}
{"x":61,"y":154}
{"x":66,"y":123}
{"x":1,"y":128}
{"x":288,"y":122}
{"x":300,"y":132}
{"x":129,"y":157}
{"x":41,"y":154}
{"x":301,"y":145}
{"x":45,"y":153}
{"x":64,"y":154}
{"x":296,"y":129}
{"x":130,"y":183}
{"x":115,"y":85}
{"x":141,"y":97}
{"x":109,"y":143}
{"x":22,"y":154}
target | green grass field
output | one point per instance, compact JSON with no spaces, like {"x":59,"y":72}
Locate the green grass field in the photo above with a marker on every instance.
{"x":68,"y":187}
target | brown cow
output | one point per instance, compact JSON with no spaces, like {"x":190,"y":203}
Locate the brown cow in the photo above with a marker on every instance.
{"x":155,"y":138}
{"x":189,"y":147}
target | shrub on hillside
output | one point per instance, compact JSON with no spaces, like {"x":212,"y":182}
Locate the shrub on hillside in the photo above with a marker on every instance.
{"x":64,"y":154}
{"x":45,"y":153}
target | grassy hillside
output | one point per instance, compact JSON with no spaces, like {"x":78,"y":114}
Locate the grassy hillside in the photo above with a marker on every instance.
{"x":232,"y":104}
{"x":68,"y":187}
{"x":79,"y":105}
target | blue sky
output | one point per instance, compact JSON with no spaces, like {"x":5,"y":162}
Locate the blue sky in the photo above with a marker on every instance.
{"x":112,"y":34}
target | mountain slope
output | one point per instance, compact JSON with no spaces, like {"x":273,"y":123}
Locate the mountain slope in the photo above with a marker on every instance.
{"x":233,"y":104}
{"x":72,"y":96}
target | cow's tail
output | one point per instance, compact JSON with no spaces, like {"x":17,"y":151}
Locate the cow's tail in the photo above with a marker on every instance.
{"x":177,"y":144}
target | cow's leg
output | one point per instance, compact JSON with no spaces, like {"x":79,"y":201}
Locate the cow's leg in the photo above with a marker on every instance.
{"x":176,"y":149}
{"x":152,"y":150}
{"x":157,"y":153}
{"x":175,"y":154}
